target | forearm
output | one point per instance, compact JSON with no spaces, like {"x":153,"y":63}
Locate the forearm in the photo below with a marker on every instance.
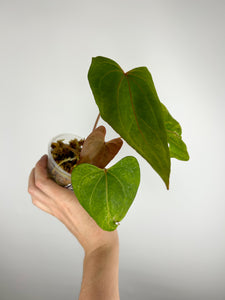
{"x":100,"y":274}
{"x":101,"y":262}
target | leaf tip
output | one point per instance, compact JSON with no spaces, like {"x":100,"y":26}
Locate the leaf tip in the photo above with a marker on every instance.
{"x":167,"y":185}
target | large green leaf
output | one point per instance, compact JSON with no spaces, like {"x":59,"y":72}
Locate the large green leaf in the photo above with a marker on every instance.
{"x":107,"y":194}
{"x":129,"y":103}
{"x":177,"y":147}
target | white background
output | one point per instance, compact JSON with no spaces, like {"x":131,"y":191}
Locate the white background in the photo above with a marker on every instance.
{"x":172,"y":243}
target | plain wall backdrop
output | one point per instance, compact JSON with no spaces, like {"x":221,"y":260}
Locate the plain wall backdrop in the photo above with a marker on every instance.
{"x":172,"y":243}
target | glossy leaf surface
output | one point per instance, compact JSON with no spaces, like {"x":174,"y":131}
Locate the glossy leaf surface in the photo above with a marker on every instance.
{"x":107,"y":194}
{"x":129,"y":103}
{"x":177,"y":147}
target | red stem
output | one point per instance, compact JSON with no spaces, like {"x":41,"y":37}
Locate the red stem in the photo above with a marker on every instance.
{"x":96,"y":122}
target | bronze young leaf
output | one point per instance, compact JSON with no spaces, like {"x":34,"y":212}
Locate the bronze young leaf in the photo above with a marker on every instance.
{"x":96,"y":151}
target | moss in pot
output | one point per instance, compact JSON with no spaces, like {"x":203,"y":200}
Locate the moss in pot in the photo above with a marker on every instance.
{"x":64,"y":153}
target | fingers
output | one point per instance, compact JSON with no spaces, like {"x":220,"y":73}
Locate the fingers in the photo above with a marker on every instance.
{"x":44,"y":183}
{"x":38,"y":197}
{"x":49,"y":196}
{"x":63,"y":204}
{"x":45,"y":188}
{"x":32,"y":188}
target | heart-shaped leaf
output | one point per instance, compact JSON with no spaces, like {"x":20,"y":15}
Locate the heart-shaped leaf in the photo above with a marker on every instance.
{"x":107,"y":194}
{"x":177,"y":147}
{"x":129,"y":103}
{"x":96,"y":151}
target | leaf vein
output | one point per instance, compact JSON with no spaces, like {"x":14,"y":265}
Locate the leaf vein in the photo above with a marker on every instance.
{"x":135,"y":116}
{"x":117,"y":100}
{"x":91,"y":198}
{"x":118,"y":181}
{"x":142,"y":78}
{"x":107,"y":199}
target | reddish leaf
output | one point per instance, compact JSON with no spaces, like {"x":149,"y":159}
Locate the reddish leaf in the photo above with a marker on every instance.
{"x":96,"y":151}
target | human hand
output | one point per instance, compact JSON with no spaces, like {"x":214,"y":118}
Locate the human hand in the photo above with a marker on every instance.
{"x":63,"y":204}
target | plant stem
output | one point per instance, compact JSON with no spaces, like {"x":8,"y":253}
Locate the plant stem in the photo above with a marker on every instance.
{"x":96,"y":122}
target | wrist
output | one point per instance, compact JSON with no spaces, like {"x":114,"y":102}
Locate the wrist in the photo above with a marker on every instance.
{"x":99,"y":264}
{"x":103,"y":246}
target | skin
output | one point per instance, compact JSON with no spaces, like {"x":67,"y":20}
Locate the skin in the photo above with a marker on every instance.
{"x":101,"y":248}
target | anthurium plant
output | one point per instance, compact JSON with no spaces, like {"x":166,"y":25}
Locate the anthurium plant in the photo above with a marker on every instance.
{"x":129,"y":103}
